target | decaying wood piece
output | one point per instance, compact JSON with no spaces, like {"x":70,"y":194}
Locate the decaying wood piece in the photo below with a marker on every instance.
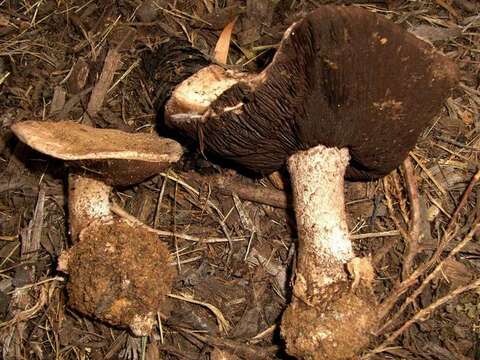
{"x":245,"y":191}
{"x":110,"y":66}
{"x":58,"y":100}
{"x":78,"y":76}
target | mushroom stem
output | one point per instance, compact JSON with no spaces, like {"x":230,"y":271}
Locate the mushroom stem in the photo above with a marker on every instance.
{"x":324,"y":247}
{"x":330,"y":317}
{"x":88,"y":200}
{"x":106,"y":278}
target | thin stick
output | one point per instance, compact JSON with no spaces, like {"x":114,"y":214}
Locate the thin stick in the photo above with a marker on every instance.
{"x":208,"y":202}
{"x":132,"y":219}
{"x":160,"y":327}
{"x":411,"y":299}
{"x":175,"y":239}
{"x":424,"y":314}
{"x":391,"y":212}
{"x":375,"y":234}
{"x":159,"y":203}
{"x":250,"y":192}
{"x":464,"y":199}
{"x":413,"y":245}
{"x":429,"y":174}
{"x":403,"y":286}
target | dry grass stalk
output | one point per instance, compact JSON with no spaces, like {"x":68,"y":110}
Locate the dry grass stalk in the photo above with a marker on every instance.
{"x":223,"y":324}
{"x":209,"y":206}
{"x":436,"y":272}
{"x":209,"y":240}
{"x":424,"y":313}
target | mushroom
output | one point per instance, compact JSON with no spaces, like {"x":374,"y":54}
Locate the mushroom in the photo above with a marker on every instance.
{"x":118,"y":273}
{"x":347,"y":94}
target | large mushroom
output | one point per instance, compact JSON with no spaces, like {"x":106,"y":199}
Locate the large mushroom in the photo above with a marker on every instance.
{"x":118,"y":273}
{"x":347,"y":93}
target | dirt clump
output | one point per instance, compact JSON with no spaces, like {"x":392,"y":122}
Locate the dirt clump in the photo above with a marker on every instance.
{"x":132,"y":273}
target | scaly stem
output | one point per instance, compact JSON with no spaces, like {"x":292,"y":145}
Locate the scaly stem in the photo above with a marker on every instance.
{"x":330,"y":317}
{"x":88,"y":200}
{"x":324,"y":247}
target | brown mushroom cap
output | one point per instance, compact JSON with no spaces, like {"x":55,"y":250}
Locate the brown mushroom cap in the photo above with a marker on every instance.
{"x":343,"y":77}
{"x":116,"y":157}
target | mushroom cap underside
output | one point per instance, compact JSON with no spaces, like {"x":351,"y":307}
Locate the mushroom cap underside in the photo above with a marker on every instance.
{"x":342,"y":77}
{"x":115,"y":156}
{"x":168,"y":65}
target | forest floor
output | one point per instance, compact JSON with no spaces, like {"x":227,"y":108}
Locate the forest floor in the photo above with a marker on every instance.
{"x":52,"y":53}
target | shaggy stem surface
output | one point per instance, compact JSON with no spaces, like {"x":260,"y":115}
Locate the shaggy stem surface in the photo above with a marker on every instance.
{"x":324,"y":247}
{"x":328,"y":318}
{"x":88,"y":200}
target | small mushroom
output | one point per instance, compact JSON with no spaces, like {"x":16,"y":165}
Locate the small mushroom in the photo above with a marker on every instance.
{"x":118,"y":273}
{"x":347,"y":93}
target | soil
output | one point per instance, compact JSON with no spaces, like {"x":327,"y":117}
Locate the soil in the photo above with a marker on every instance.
{"x":120,"y":274}
{"x":82,"y":61}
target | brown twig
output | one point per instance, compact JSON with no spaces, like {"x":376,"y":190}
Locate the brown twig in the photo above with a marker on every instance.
{"x":133,"y":220}
{"x":255,"y":193}
{"x":411,"y":299}
{"x":374,"y":235}
{"x":403,"y":286}
{"x":401,"y":199}
{"x":391,"y":211}
{"x":424,"y":313}
{"x":413,"y":244}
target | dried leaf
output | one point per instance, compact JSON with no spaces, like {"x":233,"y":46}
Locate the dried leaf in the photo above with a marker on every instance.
{"x":220,"y":53}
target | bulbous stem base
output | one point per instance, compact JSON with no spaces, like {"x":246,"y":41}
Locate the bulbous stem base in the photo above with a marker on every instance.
{"x":328,"y":318}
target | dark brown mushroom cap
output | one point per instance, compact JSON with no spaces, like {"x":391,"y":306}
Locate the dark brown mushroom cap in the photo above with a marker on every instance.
{"x":114,"y":156}
{"x":343,"y":77}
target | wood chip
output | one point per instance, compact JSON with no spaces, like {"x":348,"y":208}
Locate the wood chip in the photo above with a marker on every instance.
{"x":78,"y":77}
{"x":435,"y":33}
{"x":58,"y":100}
{"x":110,"y":66}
